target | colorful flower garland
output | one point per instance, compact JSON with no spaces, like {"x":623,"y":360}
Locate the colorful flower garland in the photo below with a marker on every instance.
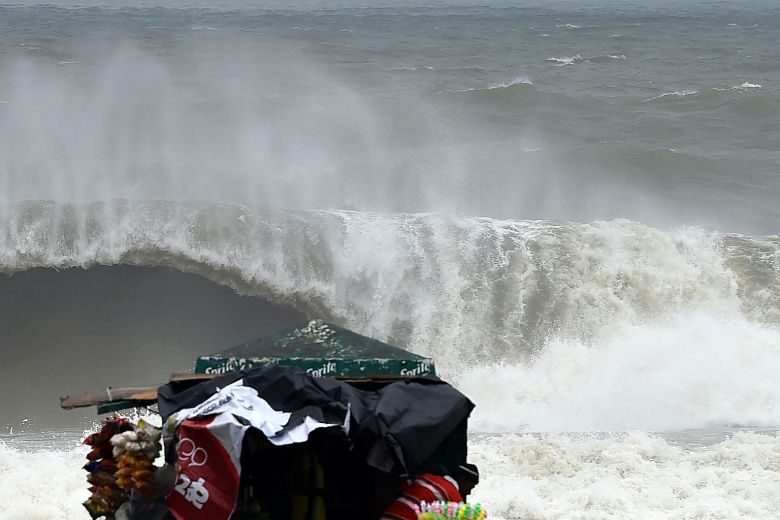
{"x":450,"y":511}
{"x":106,"y":496}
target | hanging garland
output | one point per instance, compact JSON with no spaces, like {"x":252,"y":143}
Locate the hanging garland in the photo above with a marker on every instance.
{"x":106,"y":495}
{"x":135,"y":452}
{"x":121,"y":461}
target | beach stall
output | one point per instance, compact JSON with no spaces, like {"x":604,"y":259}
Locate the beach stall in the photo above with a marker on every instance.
{"x":312,"y":423}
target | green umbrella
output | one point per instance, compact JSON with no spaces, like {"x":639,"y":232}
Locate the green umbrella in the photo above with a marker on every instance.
{"x":322,"y":350}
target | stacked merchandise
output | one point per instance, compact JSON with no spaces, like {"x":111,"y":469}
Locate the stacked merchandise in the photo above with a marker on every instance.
{"x":107,"y":496}
{"x":121,"y":462}
{"x":450,"y":511}
{"x":135,"y":452}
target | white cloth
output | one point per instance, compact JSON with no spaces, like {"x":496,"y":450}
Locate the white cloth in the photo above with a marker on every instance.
{"x":244,"y":402}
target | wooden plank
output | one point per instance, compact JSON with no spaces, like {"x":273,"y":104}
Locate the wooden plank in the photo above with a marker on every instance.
{"x":149,"y":394}
{"x":108,"y":395}
{"x":189,"y":376}
{"x":98,"y":397}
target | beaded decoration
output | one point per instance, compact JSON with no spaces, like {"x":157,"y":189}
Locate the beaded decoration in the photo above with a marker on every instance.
{"x":450,"y":511}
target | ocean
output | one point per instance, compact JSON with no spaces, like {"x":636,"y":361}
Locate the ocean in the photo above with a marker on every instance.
{"x":571,"y":205}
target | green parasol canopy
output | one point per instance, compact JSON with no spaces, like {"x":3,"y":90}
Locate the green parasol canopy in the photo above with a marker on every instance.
{"x":322,"y":350}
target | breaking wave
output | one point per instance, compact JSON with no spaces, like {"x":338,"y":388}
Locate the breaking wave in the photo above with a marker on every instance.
{"x":557,"y":313}
{"x":746,"y":100}
{"x":675,"y":94}
{"x":747,"y":84}
{"x":692,"y":371}
{"x":712,"y":93}
{"x":440,"y":282}
{"x":517,"y":82}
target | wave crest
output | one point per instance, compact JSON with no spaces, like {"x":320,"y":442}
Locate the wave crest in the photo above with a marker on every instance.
{"x":601,"y":58}
{"x":462,"y":289}
{"x":517,"y":82}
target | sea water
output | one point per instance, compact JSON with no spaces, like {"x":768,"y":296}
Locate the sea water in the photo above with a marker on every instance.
{"x":571,"y":205}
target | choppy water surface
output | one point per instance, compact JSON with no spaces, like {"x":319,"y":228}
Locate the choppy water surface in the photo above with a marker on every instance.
{"x":663,"y":113}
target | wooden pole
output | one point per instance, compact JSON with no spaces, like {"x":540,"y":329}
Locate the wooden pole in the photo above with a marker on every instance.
{"x":109,"y":395}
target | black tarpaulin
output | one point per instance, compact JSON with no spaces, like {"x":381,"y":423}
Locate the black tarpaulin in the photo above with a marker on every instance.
{"x":396,"y":428}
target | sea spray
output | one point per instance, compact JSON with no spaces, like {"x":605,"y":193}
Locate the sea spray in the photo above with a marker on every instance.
{"x":694,"y":371}
{"x":465,"y":290}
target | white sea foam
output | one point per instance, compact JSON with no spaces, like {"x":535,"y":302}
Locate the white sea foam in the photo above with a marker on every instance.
{"x":571,"y":60}
{"x":635,"y":476}
{"x":530,"y":477}
{"x":511,"y":83}
{"x":744,"y":86}
{"x":497,"y":86}
{"x":415,"y":68}
{"x":42,"y":485}
{"x":694,"y":371}
{"x":566,"y":60}
{"x":675,"y":94}
{"x":685,"y":93}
